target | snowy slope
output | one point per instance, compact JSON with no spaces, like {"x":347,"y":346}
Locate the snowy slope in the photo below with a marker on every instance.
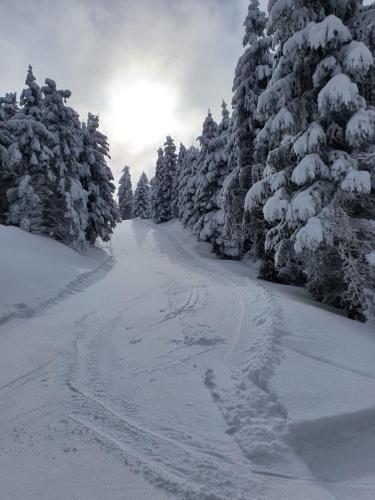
{"x":177,"y":375}
{"x":38,"y":270}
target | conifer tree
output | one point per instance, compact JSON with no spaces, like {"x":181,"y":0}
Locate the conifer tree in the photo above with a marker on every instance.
{"x":125,"y":195}
{"x":186,"y":213}
{"x":141,"y":204}
{"x":68,"y":217}
{"x":318,"y":123}
{"x":177,"y":181}
{"x":162,"y":209}
{"x":97,"y":179}
{"x":203,"y":193}
{"x":10,"y":155}
{"x":31,"y":193}
{"x":210,"y":181}
{"x":252,"y":74}
{"x":156,"y":188}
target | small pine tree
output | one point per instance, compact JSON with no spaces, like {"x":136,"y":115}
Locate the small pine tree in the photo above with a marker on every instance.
{"x":125,"y":195}
{"x":141,"y":205}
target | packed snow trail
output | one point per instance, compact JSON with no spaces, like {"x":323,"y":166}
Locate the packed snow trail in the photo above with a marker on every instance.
{"x":152,"y":382}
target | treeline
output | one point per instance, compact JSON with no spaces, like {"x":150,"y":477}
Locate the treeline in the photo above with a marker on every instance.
{"x":54,"y":177}
{"x":289,"y":178}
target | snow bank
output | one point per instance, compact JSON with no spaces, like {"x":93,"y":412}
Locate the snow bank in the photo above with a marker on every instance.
{"x":35,"y":270}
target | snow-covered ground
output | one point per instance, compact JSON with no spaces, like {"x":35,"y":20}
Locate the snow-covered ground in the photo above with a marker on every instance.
{"x":153,"y":370}
{"x":36,"y":271}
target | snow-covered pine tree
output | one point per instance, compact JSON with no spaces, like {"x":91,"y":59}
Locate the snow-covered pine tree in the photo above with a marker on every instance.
{"x":186,"y":212}
{"x":164,"y":178}
{"x":169,"y":169}
{"x":177,"y":181}
{"x":10,"y":155}
{"x":67,"y":215}
{"x":318,"y":124}
{"x":31,"y":193}
{"x":125,"y":195}
{"x":156,"y":188}
{"x":96,"y":178}
{"x":210,"y":179}
{"x":252,"y":75}
{"x":205,"y":187}
{"x":141,"y":203}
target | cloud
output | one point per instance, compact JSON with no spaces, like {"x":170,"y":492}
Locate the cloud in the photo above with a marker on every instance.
{"x":94,"y":46}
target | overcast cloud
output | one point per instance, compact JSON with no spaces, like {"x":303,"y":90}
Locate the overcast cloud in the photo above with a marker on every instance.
{"x":96,"y":48}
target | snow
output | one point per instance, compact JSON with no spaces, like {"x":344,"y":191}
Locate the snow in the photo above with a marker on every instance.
{"x":173,"y":374}
{"x":276,"y":206}
{"x":330,"y":32}
{"x":358,"y":181}
{"x":360,"y":128}
{"x":339,"y":94}
{"x":36,"y":270}
{"x":357,"y":58}
{"x":308,"y":168}
{"x":309,"y":236}
{"x":282,"y":122}
{"x":310,"y":141}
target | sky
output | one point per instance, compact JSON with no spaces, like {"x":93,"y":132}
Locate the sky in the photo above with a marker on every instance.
{"x":149,"y":68}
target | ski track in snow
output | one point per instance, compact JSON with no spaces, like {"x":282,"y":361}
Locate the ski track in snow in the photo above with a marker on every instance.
{"x":163,"y":366}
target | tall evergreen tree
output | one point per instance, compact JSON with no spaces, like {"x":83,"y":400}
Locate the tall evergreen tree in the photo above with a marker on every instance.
{"x":31,"y":194}
{"x":252,"y":74}
{"x":186,"y":213}
{"x":68,"y":219}
{"x":97,"y":179}
{"x":125,"y":195}
{"x":162,"y":210}
{"x":318,"y":123}
{"x":10,"y":155}
{"x":177,"y":181}
{"x":156,"y":188}
{"x":141,"y":205}
{"x":203,"y":202}
{"x":210,"y":181}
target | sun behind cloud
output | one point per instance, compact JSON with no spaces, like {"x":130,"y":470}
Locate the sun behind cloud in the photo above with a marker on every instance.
{"x":142,"y":112}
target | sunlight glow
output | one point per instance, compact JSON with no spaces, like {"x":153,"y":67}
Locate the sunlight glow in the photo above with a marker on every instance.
{"x":142,"y":113}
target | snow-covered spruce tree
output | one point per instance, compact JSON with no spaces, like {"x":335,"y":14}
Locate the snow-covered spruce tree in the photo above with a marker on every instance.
{"x":10,"y":155}
{"x":252,"y":74}
{"x":164,"y":179}
{"x":186,"y":213}
{"x":96,"y":178}
{"x":210,"y":179}
{"x":31,"y":192}
{"x":204,"y":188}
{"x":177,"y":181}
{"x":125,"y":195}
{"x":141,"y":203}
{"x":156,"y":184}
{"x":67,"y":212}
{"x":318,"y":124}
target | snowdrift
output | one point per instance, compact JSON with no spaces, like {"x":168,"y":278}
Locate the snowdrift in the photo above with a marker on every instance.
{"x":36,"y":271}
